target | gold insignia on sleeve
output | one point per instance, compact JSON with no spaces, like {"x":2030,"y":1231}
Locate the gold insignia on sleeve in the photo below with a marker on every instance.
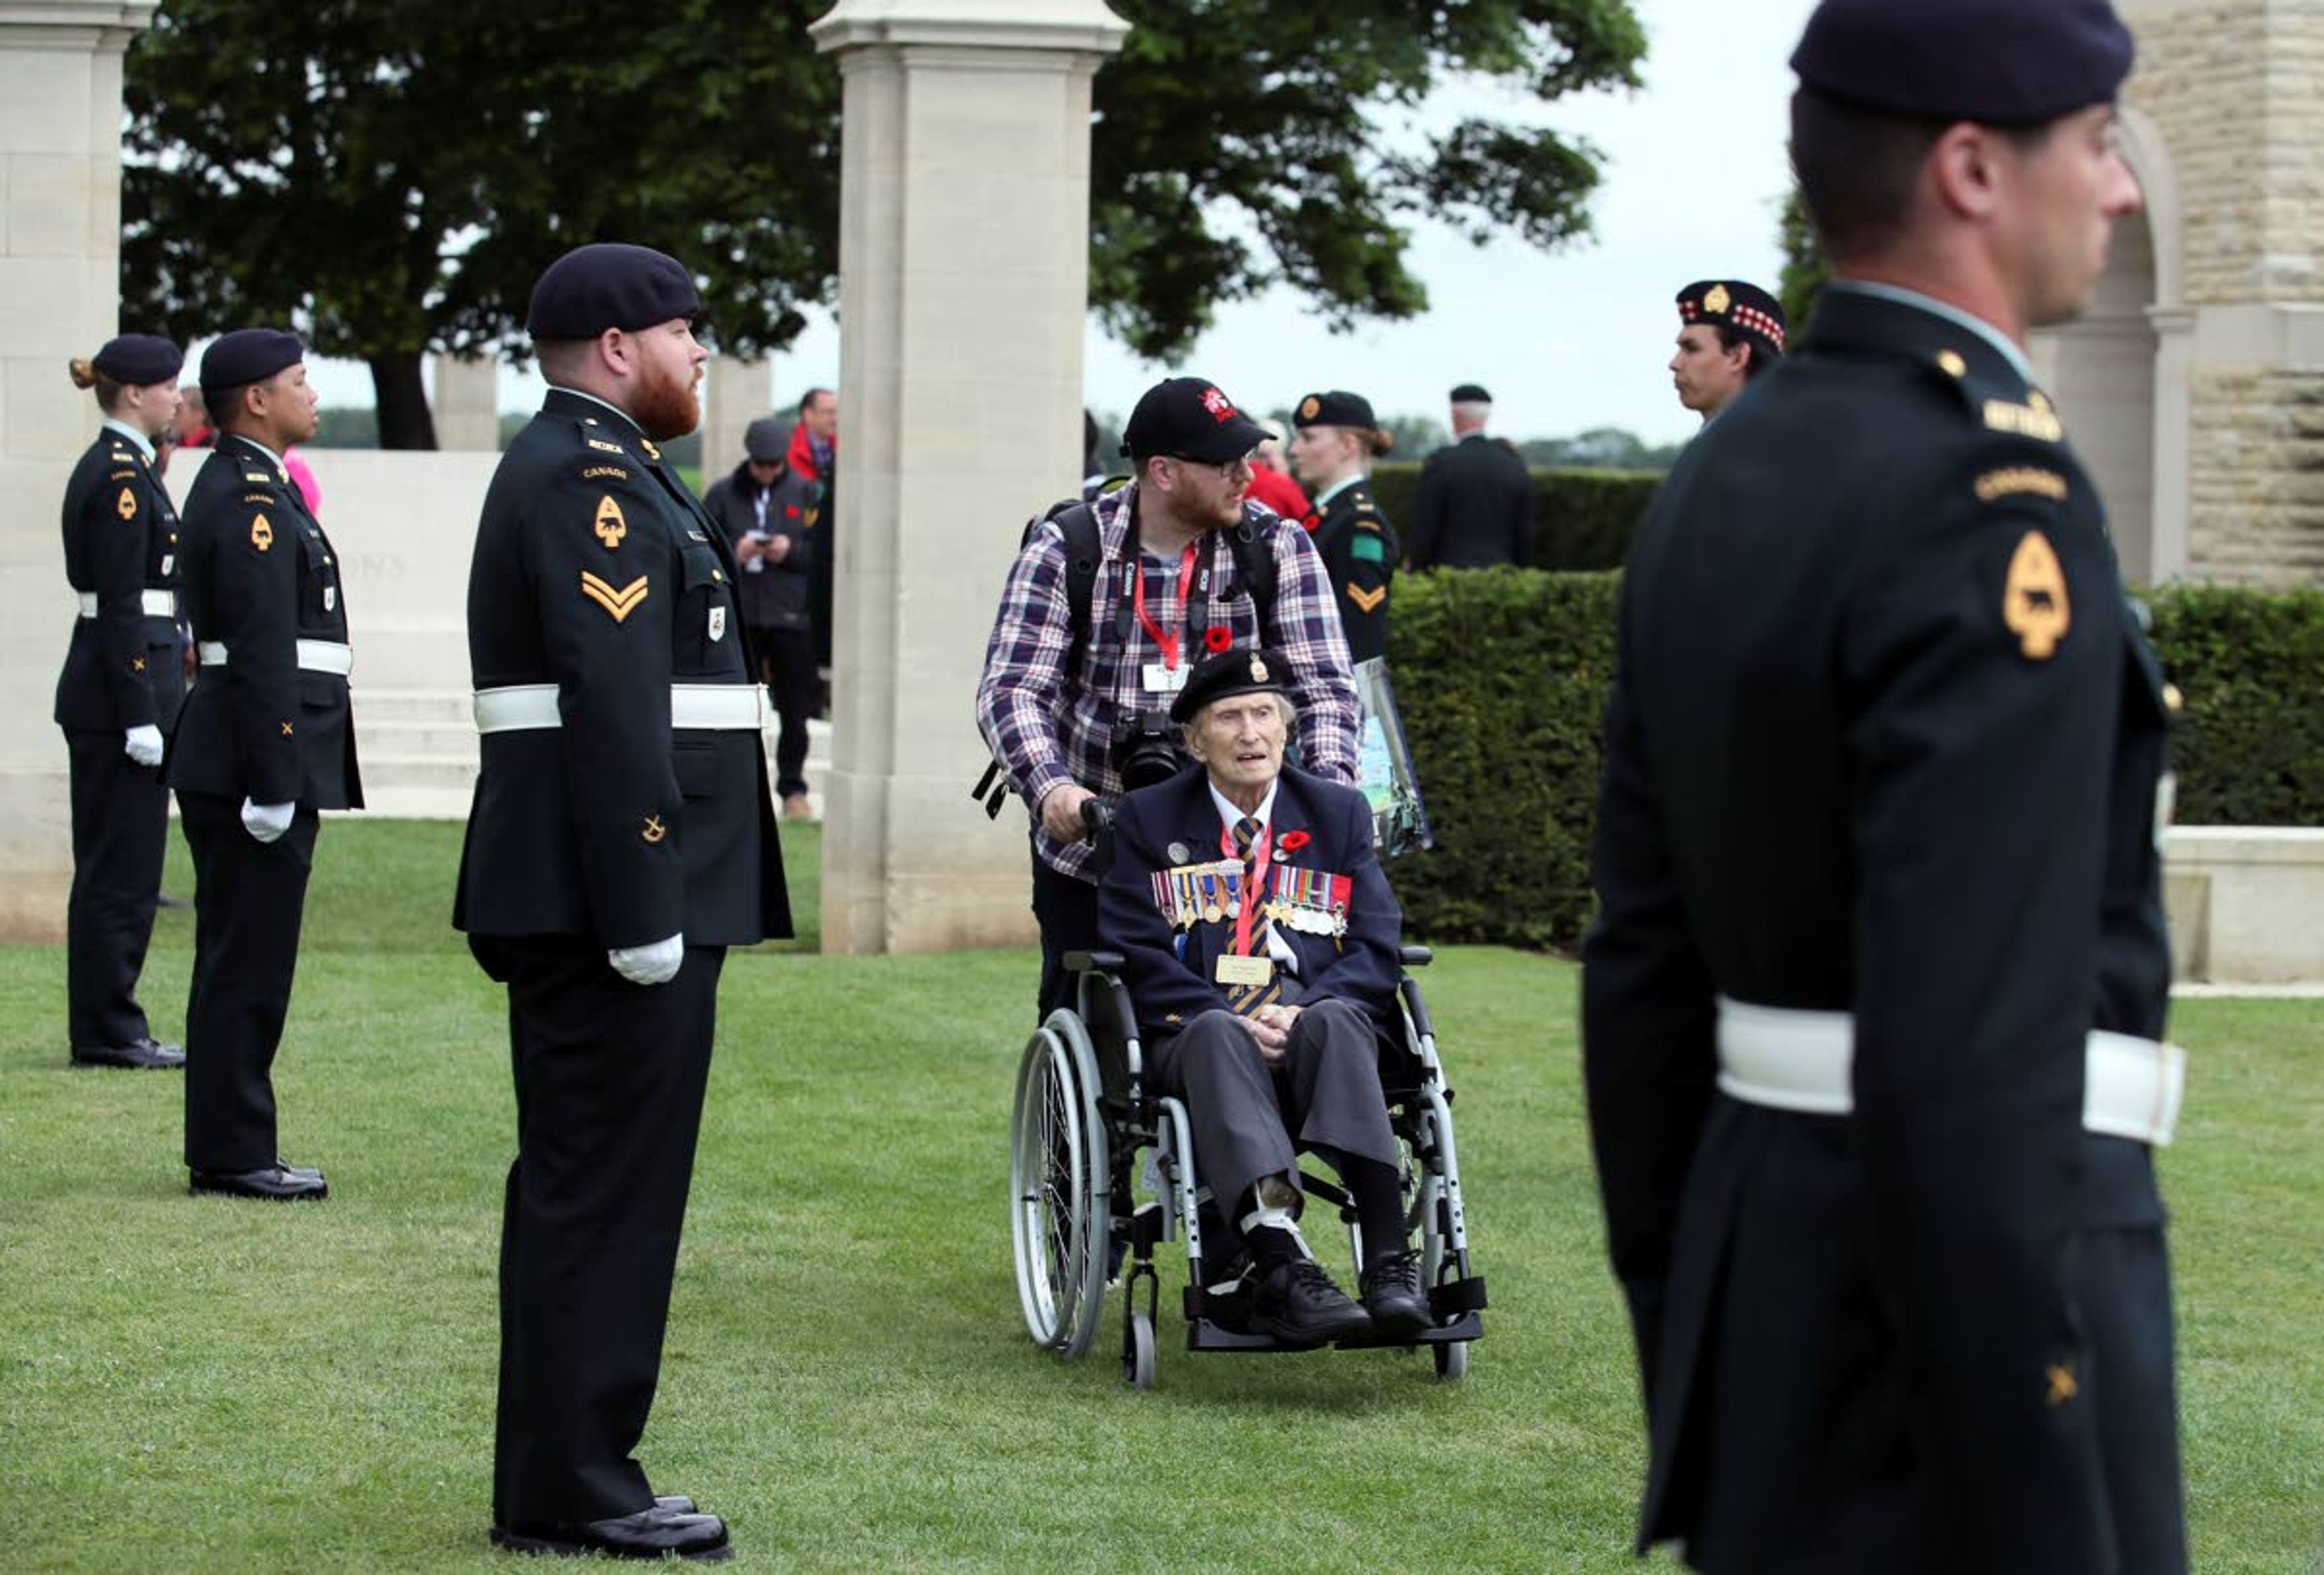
{"x":286,"y":730}
{"x":261,"y":534}
{"x":1716,"y":302}
{"x":258,"y":497}
{"x":122,"y":475}
{"x":610,"y":526}
{"x":651,"y":451}
{"x":259,"y":477}
{"x":604,"y":473}
{"x":2026,"y":420}
{"x":127,"y":505}
{"x":619,"y":603}
{"x":1996,"y":485}
{"x":2033,"y":604}
{"x":1366,"y":601}
{"x":137,"y":664}
{"x":2063,"y":1386}
{"x":653,"y":831}
{"x":1950,"y":364}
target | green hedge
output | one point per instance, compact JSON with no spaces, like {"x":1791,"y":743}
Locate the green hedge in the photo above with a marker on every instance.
{"x":1502,"y":678}
{"x":1501,"y":675}
{"x":2249,"y":748}
{"x":1586,"y":516}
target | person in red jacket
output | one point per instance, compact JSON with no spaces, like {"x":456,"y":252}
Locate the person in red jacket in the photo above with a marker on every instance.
{"x":814,"y":456}
{"x":1271,"y":484}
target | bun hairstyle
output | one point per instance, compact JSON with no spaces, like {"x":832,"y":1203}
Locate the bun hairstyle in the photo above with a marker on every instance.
{"x":83,"y":371}
{"x":1375,"y":439}
{"x":84,"y":375}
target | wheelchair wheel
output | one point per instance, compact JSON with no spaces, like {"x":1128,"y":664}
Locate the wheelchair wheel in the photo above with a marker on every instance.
{"x":1058,"y":1187}
{"x":1138,"y":1362}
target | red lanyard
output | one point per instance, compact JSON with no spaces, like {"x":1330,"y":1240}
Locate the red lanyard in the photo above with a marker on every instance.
{"x":1256,"y":872}
{"x":1166,"y":643}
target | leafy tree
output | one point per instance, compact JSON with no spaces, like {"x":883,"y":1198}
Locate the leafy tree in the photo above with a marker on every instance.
{"x":1804,"y":264}
{"x":392,"y":174}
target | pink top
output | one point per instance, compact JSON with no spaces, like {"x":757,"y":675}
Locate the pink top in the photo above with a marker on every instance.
{"x":302,"y":477}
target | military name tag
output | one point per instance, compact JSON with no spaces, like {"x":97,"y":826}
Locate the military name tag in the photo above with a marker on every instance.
{"x":330,"y":598}
{"x":1233,"y":969}
{"x":1161,"y":679}
{"x":717,"y":624}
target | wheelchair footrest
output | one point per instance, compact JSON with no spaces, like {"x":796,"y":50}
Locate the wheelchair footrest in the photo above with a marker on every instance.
{"x":1205,"y":1334}
{"x":1458,"y":1296}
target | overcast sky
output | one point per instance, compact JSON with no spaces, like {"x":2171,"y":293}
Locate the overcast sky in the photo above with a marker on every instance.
{"x":1694,"y":177}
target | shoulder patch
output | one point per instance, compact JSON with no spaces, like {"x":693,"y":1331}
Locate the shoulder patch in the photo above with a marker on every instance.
{"x":126,"y":505}
{"x":2033,"y":603}
{"x":2035,"y":419}
{"x":604,"y":473}
{"x":1996,"y":484}
{"x":611,"y":526}
{"x":261,"y":534}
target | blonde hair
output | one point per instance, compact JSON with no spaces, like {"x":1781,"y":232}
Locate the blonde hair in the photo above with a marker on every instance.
{"x":84,"y":375}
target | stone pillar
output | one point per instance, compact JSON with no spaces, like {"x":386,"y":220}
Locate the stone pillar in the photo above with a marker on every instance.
{"x":735,"y":393}
{"x":60,"y":297}
{"x":467,"y":403}
{"x":963,"y":251}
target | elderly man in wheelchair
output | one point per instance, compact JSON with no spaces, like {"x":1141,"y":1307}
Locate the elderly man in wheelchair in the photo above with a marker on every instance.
{"x":1260,"y":940}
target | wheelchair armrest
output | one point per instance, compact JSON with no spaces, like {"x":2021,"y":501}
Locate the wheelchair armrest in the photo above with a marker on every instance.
{"x":1097,"y":961}
{"x":1415,"y":956}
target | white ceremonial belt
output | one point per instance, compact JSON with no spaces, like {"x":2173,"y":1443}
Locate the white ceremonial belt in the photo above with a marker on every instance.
{"x":314,"y":656}
{"x":721,"y":707}
{"x":1792,"y":1060}
{"x":154,"y":604}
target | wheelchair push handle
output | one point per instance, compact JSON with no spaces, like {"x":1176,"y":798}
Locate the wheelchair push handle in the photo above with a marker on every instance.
{"x":1097,"y":817}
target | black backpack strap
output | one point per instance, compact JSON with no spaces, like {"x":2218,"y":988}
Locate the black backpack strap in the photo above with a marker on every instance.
{"x":1254,"y":555}
{"x":1077,"y":522}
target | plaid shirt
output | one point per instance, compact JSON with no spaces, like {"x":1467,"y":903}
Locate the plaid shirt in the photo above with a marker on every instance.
{"x":1049,"y":726}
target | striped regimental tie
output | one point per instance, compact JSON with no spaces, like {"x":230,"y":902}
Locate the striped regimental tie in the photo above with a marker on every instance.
{"x":1244,"y":1000}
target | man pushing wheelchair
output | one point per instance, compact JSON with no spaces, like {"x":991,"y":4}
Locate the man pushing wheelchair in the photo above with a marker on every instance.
{"x":1260,"y":944}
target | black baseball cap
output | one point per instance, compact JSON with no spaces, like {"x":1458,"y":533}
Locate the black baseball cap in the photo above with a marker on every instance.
{"x":1998,"y":62}
{"x":1187,"y":418}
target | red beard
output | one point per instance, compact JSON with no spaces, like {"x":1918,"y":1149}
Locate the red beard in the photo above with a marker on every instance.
{"x":666,"y":407}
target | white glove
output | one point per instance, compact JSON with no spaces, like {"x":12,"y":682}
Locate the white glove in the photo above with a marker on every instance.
{"x":655,"y":964}
{"x":266,"y":821}
{"x":143,"y":745}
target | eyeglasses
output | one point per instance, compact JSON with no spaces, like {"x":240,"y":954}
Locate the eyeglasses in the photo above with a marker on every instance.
{"x":1227,"y":469}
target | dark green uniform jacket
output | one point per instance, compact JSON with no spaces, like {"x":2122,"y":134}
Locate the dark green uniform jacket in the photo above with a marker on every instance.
{"x":1360,"y":553}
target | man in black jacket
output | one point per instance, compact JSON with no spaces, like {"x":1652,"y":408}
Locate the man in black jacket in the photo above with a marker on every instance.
{"x":119,"y":696}
{"x":621,"y":840}
{"x":768,"y":515}
{"x":266,"y":741}
{"x":1873,"y":1007}
{"x":1475,"y":507}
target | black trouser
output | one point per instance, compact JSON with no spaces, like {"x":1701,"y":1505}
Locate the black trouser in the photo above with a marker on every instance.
{"x":609,"y":1083}
{"x":1066,"y":910}
{"x":249,"y":898}
{"x":120,"y":829}
{"x":787,"y":666}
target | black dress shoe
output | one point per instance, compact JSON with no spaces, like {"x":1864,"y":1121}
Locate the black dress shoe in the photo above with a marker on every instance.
{"x":1393,"y":1296}
{"x":278,"y":1182}
{"x":1296,"y":1300}
{"x":650,"y":1533}
{"x":676,"y":1503}
{"x":145,"y":1055}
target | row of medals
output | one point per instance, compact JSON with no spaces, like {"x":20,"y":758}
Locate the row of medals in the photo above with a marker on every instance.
{"x":1220,"y":888}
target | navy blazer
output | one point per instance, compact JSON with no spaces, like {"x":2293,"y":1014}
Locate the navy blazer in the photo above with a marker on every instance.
{"x":1154,"y":826}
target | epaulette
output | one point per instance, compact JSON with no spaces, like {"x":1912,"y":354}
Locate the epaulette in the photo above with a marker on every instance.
{"x":2000,"y":405}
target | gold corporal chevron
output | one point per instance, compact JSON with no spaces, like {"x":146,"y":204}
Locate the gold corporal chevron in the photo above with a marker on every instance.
{"x":618,"y":604}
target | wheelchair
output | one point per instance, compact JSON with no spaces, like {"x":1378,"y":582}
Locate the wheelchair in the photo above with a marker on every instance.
{"x":1083,"y":1114}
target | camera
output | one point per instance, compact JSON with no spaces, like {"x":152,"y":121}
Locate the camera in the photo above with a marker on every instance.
{"x":1144,"y":750}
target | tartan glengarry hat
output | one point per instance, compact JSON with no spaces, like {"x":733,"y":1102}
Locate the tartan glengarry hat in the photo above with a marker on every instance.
{"x":1997,"y":62}
{"x":1731,"y":303}
{"x":609,"y":285}
{"x":139,"y":360}
{"x":1335,"y":407}
{"x":245,"y":356}
{"x":1187,"y":418}
{"x":1229,"y":673}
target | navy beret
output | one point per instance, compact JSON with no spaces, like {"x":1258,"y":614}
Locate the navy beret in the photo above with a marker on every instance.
{"x":609,"y":285}
{"x":248,"y":355}
{"x":139,"y":359}
{"x":1469,"y":394}
{"x":1746,"y":308}
{"x":1999,"y":62}
{"x":1230,"y":673}
{"x":1334,"y":407}
{"x":1187,"y":418}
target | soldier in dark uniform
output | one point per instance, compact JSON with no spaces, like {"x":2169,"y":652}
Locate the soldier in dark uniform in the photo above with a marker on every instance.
{"x":1264,"y":1017}
{"x":1475,"y":506}
{"x":622,"y":837}
{"x":1729,"y":332}
{"x":266,"y":740}
{"x":117,"y":698}
{"x":1335,"y":440}
{"x":1872,"y":1011}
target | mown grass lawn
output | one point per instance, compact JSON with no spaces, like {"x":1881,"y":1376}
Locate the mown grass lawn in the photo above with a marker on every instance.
{"x":211,"y":1386}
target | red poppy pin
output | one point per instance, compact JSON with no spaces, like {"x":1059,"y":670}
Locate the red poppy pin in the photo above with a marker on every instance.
{"x":1217,"y":637}
{"x":1293,"y":841}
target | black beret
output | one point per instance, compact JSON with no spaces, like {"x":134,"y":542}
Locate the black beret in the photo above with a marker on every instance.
{"x":1999,"y":62}
{"x":1187,"y":418}
{"x":139,"y":359}
{"x":1334,"y":407}
{"x":1229,"y":673}
{"x":248,"y":355}
{"x":1746,"y":308}
{"x":1470,"y":394}
{"x":610,"y":285}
